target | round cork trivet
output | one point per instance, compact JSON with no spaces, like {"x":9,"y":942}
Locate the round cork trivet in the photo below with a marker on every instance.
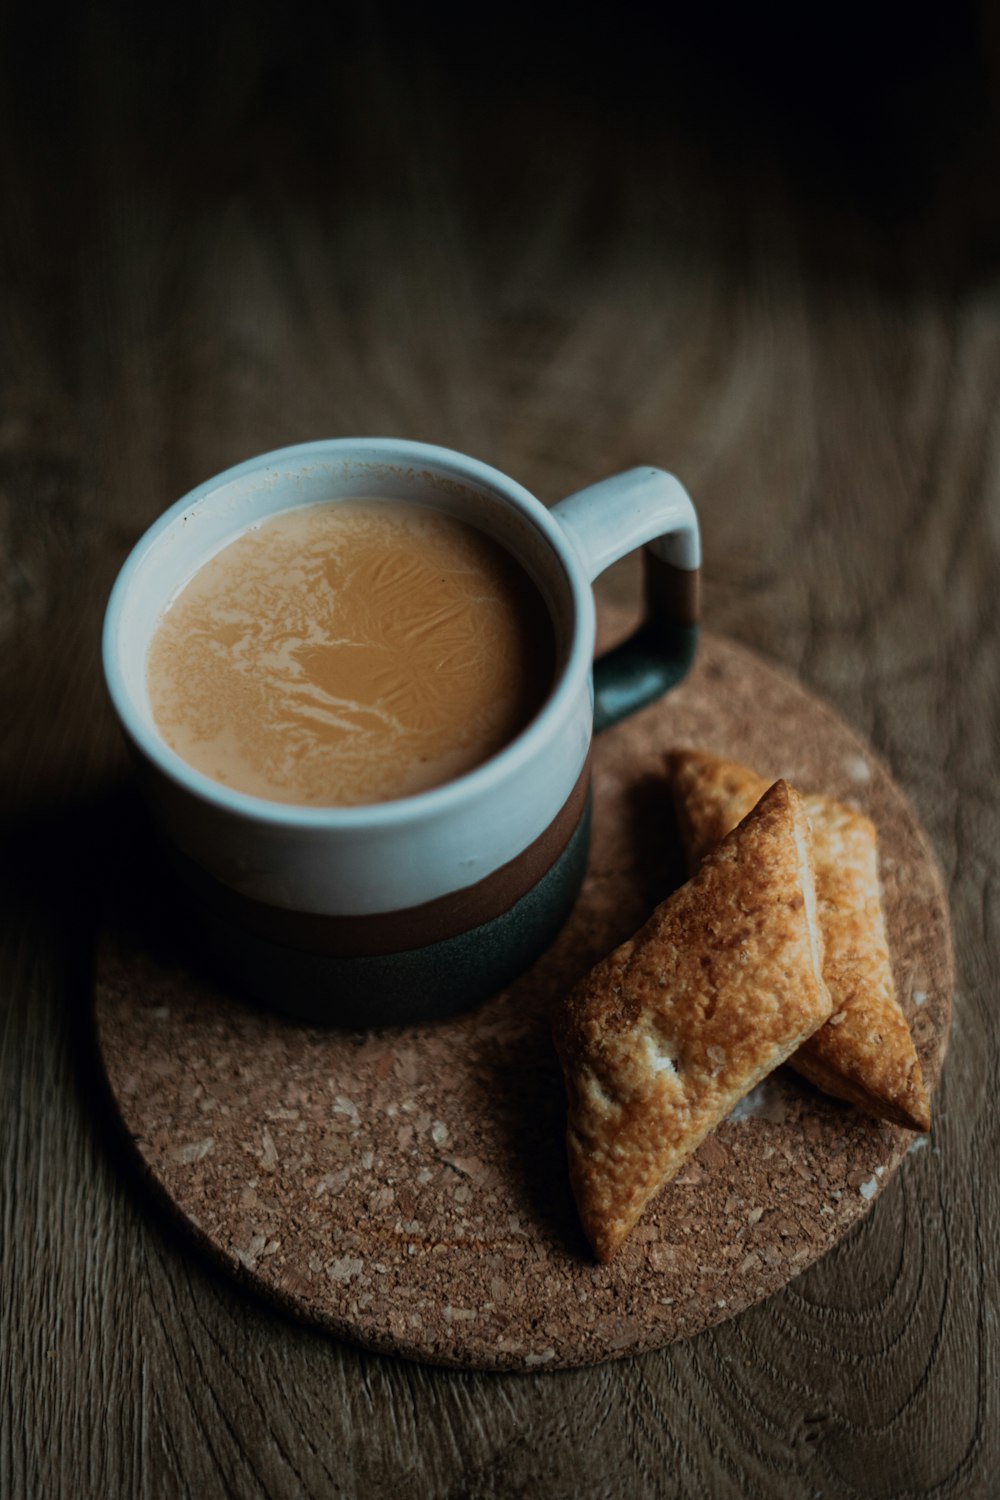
{"x":407,"y":1189}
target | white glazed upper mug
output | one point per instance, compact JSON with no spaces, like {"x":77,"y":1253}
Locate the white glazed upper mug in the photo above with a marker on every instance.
{"x":421,"y":906}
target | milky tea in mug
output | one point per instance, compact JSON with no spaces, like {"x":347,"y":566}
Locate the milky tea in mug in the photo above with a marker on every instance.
{"x":350,"y":652}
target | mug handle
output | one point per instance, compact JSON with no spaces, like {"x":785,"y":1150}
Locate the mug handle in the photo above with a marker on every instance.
{"x":606,"y":521}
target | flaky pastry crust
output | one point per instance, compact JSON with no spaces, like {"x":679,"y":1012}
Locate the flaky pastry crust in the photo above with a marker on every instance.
{"x":663,"y":1037}
{"x":865,"y":1053}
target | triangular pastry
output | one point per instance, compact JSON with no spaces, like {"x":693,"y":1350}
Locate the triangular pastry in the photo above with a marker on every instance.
{"x":865,"y":1053}
{"x":663,"y":1038}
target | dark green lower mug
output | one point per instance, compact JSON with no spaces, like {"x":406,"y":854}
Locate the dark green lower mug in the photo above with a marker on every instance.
{"x":437,"y":980}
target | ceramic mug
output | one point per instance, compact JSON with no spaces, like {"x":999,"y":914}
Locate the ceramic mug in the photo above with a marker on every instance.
{"x":420,"y":907}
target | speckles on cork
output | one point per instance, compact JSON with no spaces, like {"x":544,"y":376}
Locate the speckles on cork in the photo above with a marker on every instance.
{"x":332,"y":1182}
{"x":268,"y":1154}
{"x":194,"y":1151}
{"x":347,"y":1108}
{"x":459,"y":1314}
{"x":766,"y":1102}
{"x":256,"y":1248}
{"x":345,"y":1268}
{"x":534,"y":1360}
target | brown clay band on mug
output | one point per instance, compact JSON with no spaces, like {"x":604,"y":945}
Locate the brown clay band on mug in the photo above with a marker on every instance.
{"x":381,"y":933}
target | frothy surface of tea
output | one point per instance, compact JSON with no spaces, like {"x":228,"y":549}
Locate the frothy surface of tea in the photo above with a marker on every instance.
{"x":348,"y":653}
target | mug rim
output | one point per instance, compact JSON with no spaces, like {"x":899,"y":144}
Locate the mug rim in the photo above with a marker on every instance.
{"x":515,"y":755}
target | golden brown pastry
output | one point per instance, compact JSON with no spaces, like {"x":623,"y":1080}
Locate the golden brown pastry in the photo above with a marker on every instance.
{"x":667,"y":1034}
{"x":865,"y":1053}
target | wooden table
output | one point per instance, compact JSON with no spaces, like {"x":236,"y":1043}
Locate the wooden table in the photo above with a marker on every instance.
{"x":563,"y":263}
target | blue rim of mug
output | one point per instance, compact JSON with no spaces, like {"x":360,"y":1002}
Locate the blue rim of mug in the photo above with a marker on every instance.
{"x":519,"y":753}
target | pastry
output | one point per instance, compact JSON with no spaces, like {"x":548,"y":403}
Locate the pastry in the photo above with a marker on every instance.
{"x":665,"y":1035}
{"x":865,"y":1053}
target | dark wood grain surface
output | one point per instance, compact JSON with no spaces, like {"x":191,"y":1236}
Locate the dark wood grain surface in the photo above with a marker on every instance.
{"x":768,"y":261}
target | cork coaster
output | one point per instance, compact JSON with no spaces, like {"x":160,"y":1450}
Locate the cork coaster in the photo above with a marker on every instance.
{"x":407,"y":1189}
